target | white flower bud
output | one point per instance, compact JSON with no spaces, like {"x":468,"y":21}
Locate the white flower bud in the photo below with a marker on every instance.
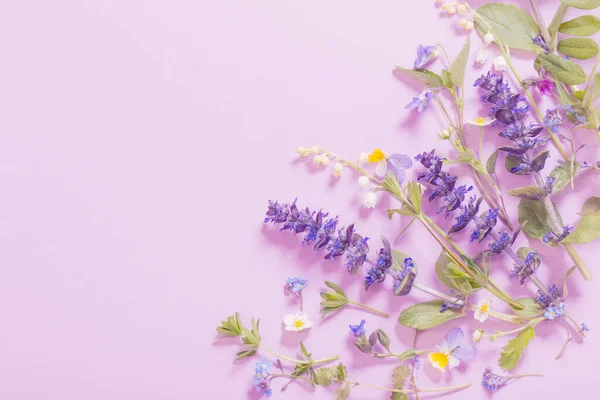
{"x":317,"y":159}
{"x":370,"y":200}
{"x":314,"y":149}
{"x":451,"y":10}
{"x":325,"y":160}
{"x":363,"y":182}
{"x":463,"y":22}
{"x":500,"y":64}
{"x":461,"y":9}
{"x":363,"y":158}
{"x":470,"y":25}
{"x":445,"y":134}
{"x":488,"y":38}
{"x":338,"y":169}
{"x":477,"y":335}
{"x":482,"y":56}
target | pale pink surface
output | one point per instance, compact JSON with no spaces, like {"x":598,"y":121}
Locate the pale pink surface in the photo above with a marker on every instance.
{"x":140,"y":143}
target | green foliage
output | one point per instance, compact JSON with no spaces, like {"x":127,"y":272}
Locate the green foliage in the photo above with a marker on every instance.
{"x":447,"y":79}
{"x":410,"y":354}
{"x":579,"y":48}
{"x":513,"y":26}
{"x":450,"y":274}
{"x":326,"y":376}
{"x":563,"y":174}
{"x":490,"y":165}
{"x":588,"y":228}
{"x":531,"y":308}
{"x":427,"y":315}
{"x":398,"y":396}
{"x":565,"y":291}
{"x":251,"y":340}
{"x":431,"y":79}
{"x":333,"y":301}
{"x":231,"y":327}
{"x":399,"y":376}
{"x":457,"y":71}
{"x":343,"y":392}
{"x":515,"y":348}
{"x":585,"y":25}
{"x":533,"y":214}
{"x":415,"y":196}
{"x":529,"y":193}
{"x":564,"y":70}
{"x":582,"y":4}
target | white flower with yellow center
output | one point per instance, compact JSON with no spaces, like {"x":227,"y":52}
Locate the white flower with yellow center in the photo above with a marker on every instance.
{"x":482,"y":121}
{"x":297,"y":322}
{"x":483,"y":310}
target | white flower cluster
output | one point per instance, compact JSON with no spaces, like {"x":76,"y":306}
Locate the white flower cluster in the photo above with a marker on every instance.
{"x":461,"y":8}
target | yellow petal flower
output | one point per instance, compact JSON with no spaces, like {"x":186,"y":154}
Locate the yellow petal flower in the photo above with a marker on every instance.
{"x":439,"y":360}
{"x":376,"y":156}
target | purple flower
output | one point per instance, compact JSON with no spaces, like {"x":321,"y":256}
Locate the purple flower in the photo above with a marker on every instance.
{"x":425,"y":54}
{"x":294,"y":286}
{"x":539,"y":40}
{"x":485,"y":225}
{"x":545,"y":86}
{"x":492,"y":382}
{"x":499,"y":246}
{"x":584,"y":327}
{"x":468,"y":212}
{"x":552,"y":119}
{"x":526,"y":267}
{"x":404,"y":280}
{"x":260,"y":378}
{"x":545,"y":300}
{"x":375,"y":275}
{"x":421,"y":102}
{"x":358,"y":330}
{"x":553,"y":239}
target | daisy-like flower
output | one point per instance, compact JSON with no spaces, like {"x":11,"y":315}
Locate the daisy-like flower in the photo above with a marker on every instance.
{"x":297,"y":322}
{"x":481,"y":121}
{"x":397,"y":163}
{"x":452,"y":351}
{"x":483,"y":310}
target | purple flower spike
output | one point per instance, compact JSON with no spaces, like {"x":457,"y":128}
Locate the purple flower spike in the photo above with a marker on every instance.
{"x":425,"y":54}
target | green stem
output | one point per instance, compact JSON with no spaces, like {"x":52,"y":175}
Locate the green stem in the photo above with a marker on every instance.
{"x":369,"y":308}
{"x":412,"y":391}
{"x":292,"y":360}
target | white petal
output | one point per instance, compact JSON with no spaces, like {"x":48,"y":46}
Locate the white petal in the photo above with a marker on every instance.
{"x":484,"y":316}
{"x":290,"y":328}
{"x":381,"y":169}
{"x":289,"y":319}
{"x":453,"y":362}
{"x":478,"y":315}
{"x":302,"y":316}
{"x":308,"y":324}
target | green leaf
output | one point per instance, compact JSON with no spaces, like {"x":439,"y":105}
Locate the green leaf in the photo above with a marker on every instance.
{"x":490,"y":165}
{"x":515,"y":348}
{"x":415,"y":196}
{"x":383,"y":338}
{"x":565,"y":291}
{"x":429,"y":78}
{"x":510,"y":162}
{"x":343,"y":392}
{"x":513,"y":26}
{"x":232,"y":326}
{"x":342,"y":372}
{"x":324,"y":376}
{"x":564,"y":70}
{"x":585,"y":25}
{"x":457,"y":72}
{"x":582,"y":4}
{"x":452,"y":276}
{"x":579,"y":48}
{"x":427,"y":315}
{"x":405,"y":210}
{"x":399,"y":376}
{"x":398,"y":396}
{"x":531,"y":308}
{"x":538,"y":221}
{"x":446,"y":79}
{"x":591,"y":206}
{"x":332,"y":301}
{"x":303,"y":349}
{"x":561,"y":12}
{"x":587,"y":230}
{"x":562,"y":175}
{"x":529,"y":193}
{"x":335,"y":288}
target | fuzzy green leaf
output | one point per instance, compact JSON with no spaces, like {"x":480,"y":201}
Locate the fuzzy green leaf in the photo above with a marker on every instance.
{"x":325,"y":376}
{"x":515,"y":348}
{"x":563,"y":175}
{"x":343,"y":392}
{"x":578,"y":48}
{"x":529,"y":193}
{"x":335,"y":287}
{"x":582,"y":4}
{"x":564,"y":70}
{"x":513,"y":26}
{"x":490,"y":165}
{"x":452,"y":276}
{"x":232,"y":326}
{"x":427,"y":315}
{"x":585,"y":25}
{"x":591,"y":206}
{"x":457,"y":72}
{"x":415,"y":196}
{"x":399,"y":376}
{"x":538,"y":221}
{"x":588,"y":228}
{"x":531,"y":308}
{"x":429,"y":78}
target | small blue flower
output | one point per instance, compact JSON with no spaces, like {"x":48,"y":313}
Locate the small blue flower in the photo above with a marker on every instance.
{"x":260,"y":378}
{"x":294,"y":286}
{"x":421,"y":102}
{"x":425,"y":54}
{"x":358,"y":330}
{"x":584,"y":327}
{"x":554,"y":312}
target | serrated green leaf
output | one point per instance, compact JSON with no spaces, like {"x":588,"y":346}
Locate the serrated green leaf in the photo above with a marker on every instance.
{"x":578,"y":48}
{"x":531,"y":308}
{"x":562,"y":175}
{"x":538,"y":221}
{"x":429,"y":78}
{"x":343,"y":392}
{"x":582,"y":4}
{"x":399,"y":376}
{"x":457,"y":71}
{"x":513,"y":26}
{"x":515,"y":348}
{"x":398,"y":396}
{"x":490,"y":165}
{"x":529,"y":193}
{"x":565,"y":291}
{"x":325,"y":376}
{"x":427,"y":315}
{"x":585,"y":25}
{"x":564,"y":70}
{"x":342,"y":372}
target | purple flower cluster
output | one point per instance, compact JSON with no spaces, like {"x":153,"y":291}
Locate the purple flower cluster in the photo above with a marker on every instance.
{"x":552,"y":238}
{"x":527,"y":267}
{"x":508,"y":110}
{"x":405,"y":278}
{"x":381,"y":267}
{"x":492,"y":382}
{"x":545,"y":300}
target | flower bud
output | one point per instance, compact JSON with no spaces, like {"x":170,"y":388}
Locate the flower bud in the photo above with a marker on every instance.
{"x":370,"y":200}
{"x":445,"y":134}
{"x":325,"y":160}
{"x":477,"y":335}
{"x":363,"y":182}
{"x":488,"y":38}
{"x":461,"y":9}
{"x":470,"y":25}
{"x":363,"y":158}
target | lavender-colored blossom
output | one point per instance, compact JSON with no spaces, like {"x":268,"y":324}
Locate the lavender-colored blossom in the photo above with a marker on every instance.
{"x":553,"y":120}
{"x":549,"y":296}
{"x":467,"y":214}
{"x":375,"y":275}
{"x":357,"y":254}
{"x":545,"y":86}
{"x":425,"y":54}
{"x":497,"y":247}
{"x":492,"y":382}
{"x":539,"y":40}
{"x":385,"y":260}
{"x":294,"y":286}
{"x":527,"y":267}
{"x":421,"y":102}
{"x":552,"y":238}
{"x":260,"y":378}
{"x":485,"y":224}
{"x":584,"y":327}
{"x":405,"y":277}
{"x":358,"y":330}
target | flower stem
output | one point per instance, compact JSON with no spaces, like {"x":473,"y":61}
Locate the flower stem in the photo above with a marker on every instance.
{"x":292,"y":360}
{"x":412,"y":391}
{"x":384,"y":315}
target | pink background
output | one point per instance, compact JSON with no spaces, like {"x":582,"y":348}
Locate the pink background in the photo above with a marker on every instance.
{"x":141,"y":140}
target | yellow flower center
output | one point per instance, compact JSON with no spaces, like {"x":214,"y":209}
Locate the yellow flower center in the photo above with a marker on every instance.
{"x":258,"y":375}
{"x":484,"y":308}
{"x":480,"y":121}
{"x":376,"y":156}
{"x":440,"y":359}
{"x":298,"y":323}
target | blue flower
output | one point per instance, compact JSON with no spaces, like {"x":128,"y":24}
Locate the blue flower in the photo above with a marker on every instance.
{"x":499,"y":246}
{"x":552,"y":119}
{"x":584,"y":327}
{"x":421,"y":102}
{"x":294,"y":286}
{"x":358,"y":330}
{"x":260,"y":378}
{"x":425,"y":54}
{"x":546,"y":300}
{"x":554,"y":312}
{"x":527,"y":267}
